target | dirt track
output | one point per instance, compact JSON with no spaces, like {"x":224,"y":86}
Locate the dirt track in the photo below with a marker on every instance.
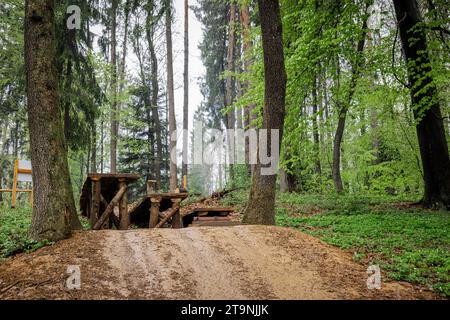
{"x":242,"y":262}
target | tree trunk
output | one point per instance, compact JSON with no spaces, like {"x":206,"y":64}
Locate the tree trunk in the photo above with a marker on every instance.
{"x":261,"y":205}
{"x":316,"y":136}
{"x":247,"y":46}
{"x":231,"y":116}
{"x":93,"y":147}
{"x":343,"y":109}
{"x":154,"y":98}
{"x":114,"y":113}
{"x":54,"y":212}
{"x":425,"y":104}
{"x":170,"y":89}
{"x":375,"y":136}
{"x":186,"y":90}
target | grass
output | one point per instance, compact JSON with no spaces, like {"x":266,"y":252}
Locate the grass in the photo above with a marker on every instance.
{"x":14,"y":225}
{"x":408,"y":243}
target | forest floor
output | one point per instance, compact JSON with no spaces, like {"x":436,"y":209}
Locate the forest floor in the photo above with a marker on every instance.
{"x":321,"y":249}
{"x":241,"y":262}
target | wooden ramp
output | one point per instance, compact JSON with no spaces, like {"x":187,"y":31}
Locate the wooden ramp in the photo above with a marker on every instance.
{"x":101,"y":193}
{"x":209,"y":216}
{"x":158,"y":209}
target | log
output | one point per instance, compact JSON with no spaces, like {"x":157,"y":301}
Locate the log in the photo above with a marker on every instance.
{"x":124,"y":217}
{"x":95,"y":201}
{"x":218,"y":194}
{"x":110,"y":208}
{"x":172,"y":212}
{"x":114,"y":218}
{"x":154,"y":211}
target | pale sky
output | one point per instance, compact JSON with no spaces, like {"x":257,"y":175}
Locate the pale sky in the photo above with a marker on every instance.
{"x":196,"y":69}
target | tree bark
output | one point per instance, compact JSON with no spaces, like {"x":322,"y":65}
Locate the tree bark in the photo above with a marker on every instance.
{"x":261,"y":206}
{"x":93,"y":147}
{"x":170,"y":89}
{"x":184,"y":171}
{"x":425,"y":104}
{"x":54,"y":214}
{"x":114,"y":113}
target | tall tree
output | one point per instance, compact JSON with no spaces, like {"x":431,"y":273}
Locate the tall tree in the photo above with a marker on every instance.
{"x":345,"y":105}
{"x":186,"y":91}
{"x":171,"y":97}
{"x":155,"y":92}
{"x":114,"y":113}
{"x":316,"y":134}
{"x":247,"y":47}
{"x":54,"y":214}
{"x":231,"y":115}
{"x":260,"y":207}
{"x":425,"y":104}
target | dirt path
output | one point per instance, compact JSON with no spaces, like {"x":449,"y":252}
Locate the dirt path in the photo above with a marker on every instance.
{"x":242,"y":262}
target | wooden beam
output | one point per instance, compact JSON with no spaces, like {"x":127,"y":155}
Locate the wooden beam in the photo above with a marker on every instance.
{"x":124,"y":217}
{"x":17,"y":190}
{"x":168,"y":216}
{"x":110,"y":208}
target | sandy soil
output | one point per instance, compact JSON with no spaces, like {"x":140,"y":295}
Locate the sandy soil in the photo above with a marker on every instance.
{"x":241,"y":262}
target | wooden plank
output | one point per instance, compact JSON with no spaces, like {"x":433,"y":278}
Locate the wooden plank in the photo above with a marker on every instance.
{"x":110,"y":208}
{"x":216,"y":218}
{"x":213,"y":209}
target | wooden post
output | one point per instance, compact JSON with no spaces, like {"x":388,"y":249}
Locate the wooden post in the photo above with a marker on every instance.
{"x":14,"y":186}
{"x":95,"y":212}
{"x":177,"y":222}
{"x":115,"y":201}
{"x":124,"y":217}
{"x":154,"y":211}
{"x":151,"y":186}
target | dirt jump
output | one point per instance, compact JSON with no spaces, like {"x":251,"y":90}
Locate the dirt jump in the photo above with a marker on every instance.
{"x":239,"y":262}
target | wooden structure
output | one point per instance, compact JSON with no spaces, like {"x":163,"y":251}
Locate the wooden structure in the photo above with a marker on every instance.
{"x":156,"y":209}
{"x":209,"y":216}
{"x":101,"y":193}
{"x":22,"y":173}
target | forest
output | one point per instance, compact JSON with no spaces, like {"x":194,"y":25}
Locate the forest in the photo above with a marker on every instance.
{"x":357,"y":92}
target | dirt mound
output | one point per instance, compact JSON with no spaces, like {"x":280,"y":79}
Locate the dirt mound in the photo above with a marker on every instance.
{"x":242,"y":262}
